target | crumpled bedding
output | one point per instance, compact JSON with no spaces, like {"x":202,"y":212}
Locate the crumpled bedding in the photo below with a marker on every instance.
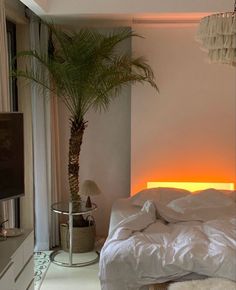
{"x":141,"y":250}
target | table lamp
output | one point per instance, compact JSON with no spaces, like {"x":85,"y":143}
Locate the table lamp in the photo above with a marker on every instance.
{"x":89,"y":188}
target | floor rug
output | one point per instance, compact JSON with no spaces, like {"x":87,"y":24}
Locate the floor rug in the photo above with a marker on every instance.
{"x":41,"y":264}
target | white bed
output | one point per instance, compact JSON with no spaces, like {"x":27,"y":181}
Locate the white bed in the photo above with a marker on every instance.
{"x":142,"y":250}
{"x":121,"y":209}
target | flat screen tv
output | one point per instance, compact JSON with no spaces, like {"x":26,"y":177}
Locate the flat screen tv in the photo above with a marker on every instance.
{"x":11,"y":155}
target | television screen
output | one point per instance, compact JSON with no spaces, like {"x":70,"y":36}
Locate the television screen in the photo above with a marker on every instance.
{"x":11,"y":155}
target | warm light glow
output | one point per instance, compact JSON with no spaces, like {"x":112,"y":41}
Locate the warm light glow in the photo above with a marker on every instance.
{"x":193,"y":186}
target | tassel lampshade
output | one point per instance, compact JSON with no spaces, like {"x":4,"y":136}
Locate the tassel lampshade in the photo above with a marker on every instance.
{"x":217,"y":34}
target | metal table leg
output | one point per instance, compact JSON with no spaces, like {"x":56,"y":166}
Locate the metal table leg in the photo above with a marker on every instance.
{"x":64,"y":264}
{"x":71,"y":233}
{"x":70,"y":263}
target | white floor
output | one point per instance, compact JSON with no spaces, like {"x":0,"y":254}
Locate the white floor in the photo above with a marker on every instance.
{"x":63,"y":278}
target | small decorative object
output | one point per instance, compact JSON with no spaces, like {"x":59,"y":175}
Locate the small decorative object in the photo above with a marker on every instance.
{"x":3,"y":232}
{"x":3,"y":235}
{"x":14,"y":232}
{"x":89,"y":188}
{"x":217,"y":34}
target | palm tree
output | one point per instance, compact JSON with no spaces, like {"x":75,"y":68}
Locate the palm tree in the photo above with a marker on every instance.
{"x":87,"y":69}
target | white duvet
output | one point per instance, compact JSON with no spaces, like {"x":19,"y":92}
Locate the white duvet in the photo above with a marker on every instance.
{"x":142,"y":250}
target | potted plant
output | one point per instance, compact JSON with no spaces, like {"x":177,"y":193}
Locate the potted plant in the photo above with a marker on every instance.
{"x":86,"y":70}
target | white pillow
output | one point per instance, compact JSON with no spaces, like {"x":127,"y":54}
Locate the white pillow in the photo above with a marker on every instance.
{"x":202,"y":206}
{"x":230,"y":193}
{"x":162,"y":195}
{"x":204,"y":199}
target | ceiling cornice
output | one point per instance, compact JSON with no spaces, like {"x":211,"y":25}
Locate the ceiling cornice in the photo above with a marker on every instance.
{"x":39,"y":7}
{"x":169,"y":18}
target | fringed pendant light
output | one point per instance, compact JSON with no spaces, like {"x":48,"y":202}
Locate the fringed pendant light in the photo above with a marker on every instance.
{"x":217,"y":34}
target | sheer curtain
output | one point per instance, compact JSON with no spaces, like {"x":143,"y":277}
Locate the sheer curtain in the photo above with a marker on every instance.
{"x":55,"y":195}
{"x":45,"y":147}
{"x":6,"y":207}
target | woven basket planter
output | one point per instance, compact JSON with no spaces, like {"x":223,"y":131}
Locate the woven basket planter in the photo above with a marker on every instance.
{"x":161,"y":286}
{"x":83,"y":238}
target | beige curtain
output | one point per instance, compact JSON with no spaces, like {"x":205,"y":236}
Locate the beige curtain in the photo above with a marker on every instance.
{"x":4,"y":68}
{"x":6,"y":207}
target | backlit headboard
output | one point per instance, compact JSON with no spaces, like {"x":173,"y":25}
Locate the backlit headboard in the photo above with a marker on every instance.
{"x":193,"y":186}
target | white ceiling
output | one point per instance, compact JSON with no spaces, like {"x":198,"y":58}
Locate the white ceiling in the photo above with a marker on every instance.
{"x":127,"y":9}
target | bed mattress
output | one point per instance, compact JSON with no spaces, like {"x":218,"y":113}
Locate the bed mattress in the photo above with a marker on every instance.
{"x":141,"y":250}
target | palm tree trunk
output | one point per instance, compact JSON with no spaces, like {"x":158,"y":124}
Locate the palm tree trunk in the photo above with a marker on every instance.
{"x":75,"y":142}
{"x":76,"y":137}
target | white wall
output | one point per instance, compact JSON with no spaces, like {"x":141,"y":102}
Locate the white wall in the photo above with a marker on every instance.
{"x":105,"y":154}
{"x":187,"y":133}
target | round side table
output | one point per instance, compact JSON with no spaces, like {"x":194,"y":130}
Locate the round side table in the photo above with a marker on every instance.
{"x":72,"y":209}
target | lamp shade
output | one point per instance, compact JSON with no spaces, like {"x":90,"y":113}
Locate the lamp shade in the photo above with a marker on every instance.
{"x":217,"y":35}
{"x":89,"y":188}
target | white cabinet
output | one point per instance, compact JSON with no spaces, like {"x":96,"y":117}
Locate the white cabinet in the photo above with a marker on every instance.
{"x":18,"y":272}
{"x":7,"y":278}
{"x":24,"y":280}
{"x":23,"y":264}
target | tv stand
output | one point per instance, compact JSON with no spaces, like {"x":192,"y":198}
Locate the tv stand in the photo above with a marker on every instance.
{"x":17,"y":262}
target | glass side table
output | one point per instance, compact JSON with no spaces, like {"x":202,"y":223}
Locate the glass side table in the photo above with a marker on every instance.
{"x":72,"y":209}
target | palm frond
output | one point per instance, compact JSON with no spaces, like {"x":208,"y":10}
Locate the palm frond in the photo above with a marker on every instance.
{"x":87,"y":68}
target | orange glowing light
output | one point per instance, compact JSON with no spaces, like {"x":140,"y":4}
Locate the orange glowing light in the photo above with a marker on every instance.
{"x":193,"y":186}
